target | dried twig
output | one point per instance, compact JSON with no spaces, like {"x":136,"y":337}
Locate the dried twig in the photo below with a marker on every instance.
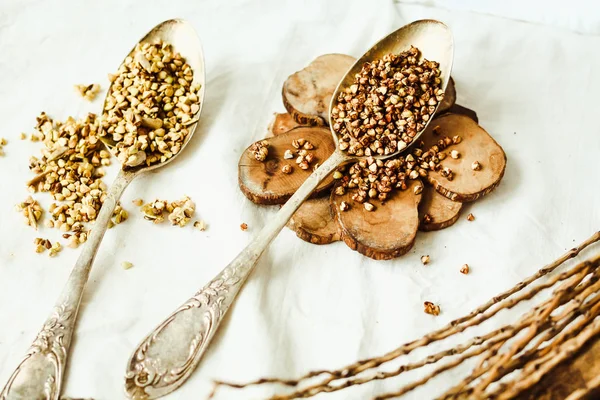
{"x":499,"y":336}
{"x":540,"y":339}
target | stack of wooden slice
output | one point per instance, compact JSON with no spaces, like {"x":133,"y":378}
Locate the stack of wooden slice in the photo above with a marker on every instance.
{"x":390,"y":231}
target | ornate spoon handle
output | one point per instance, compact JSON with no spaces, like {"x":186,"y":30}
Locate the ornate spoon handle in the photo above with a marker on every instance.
{"x":40,"y":373}
{"x":170,"y":353}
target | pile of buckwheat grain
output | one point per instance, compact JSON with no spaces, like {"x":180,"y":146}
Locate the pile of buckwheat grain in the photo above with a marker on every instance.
{"x":374,"y":179}
{"x":2,"y":143}
{"x":88,"y":92}
{"x":151,"y":103}
{"x":71,"y":170}
{"x":389,"y":102}
{"x":178,"y":212}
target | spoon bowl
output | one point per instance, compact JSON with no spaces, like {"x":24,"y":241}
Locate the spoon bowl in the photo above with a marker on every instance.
{"x":168,"y":355}
{"x":434,"y":40}
{"x":39,"y":375}
{"x":183,"y":39}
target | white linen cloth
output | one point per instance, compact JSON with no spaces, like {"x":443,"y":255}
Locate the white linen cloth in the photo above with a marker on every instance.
{"x":534,"y":87}
{"x":576,"y":15}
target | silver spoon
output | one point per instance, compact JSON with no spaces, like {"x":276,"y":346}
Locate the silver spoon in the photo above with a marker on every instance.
{"x":40,"y":373}
{"x":168,"y":355}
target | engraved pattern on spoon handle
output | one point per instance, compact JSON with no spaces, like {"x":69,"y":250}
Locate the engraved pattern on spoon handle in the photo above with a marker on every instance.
{"x":39,"y":375}
{"x":169,"y":354}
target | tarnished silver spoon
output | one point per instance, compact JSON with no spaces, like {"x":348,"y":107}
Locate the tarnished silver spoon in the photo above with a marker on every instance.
{"x":39,"y":375}
{"x":168,"y":355}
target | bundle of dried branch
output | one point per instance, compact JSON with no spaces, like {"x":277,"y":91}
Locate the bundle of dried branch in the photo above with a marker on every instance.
{"x":510,"y":360}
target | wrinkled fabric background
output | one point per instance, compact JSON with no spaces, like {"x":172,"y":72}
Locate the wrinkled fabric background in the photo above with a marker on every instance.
{"x":530,"y":73}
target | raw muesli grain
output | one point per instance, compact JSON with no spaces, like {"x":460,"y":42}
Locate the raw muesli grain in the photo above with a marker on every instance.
{"x":200,"y":225}
{"x":260,"y":150}
{"x":151,"y":103}
{"x":31,"y":210}
{"x":119,"y":215}
{"x":55,"y":249}
{"x":178,"y":212}
{"x":431,"y":308}
{"x":88,"y":92}
{"x":42,"y":245}
{"x":181,"y":211}
{"x":369,"y":206}
{"x":154,"y":211}
{"x":70,"y":169}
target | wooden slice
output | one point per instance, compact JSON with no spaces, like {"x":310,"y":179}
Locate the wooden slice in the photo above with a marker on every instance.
{"x":449,"y":97}
{"x":458,"y":109}
{"x":476,"y":145}
{"x":442,"y":211}
{"x":307,"y":93}
{"x":281,"y":123}
{"x":385,"y":233}
{"x":264,"y":183}
{"x":314,"y":223}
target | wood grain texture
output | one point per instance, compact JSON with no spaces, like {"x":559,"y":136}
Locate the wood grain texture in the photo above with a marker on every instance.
{"x":307,"y":93}
{"x":442,"y":211}
{"x":264,"y":183}
{"x":385,"y":233}
{"x":281,"y":123}
{"x":314,"y":222}
{"x":476,"y":145}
